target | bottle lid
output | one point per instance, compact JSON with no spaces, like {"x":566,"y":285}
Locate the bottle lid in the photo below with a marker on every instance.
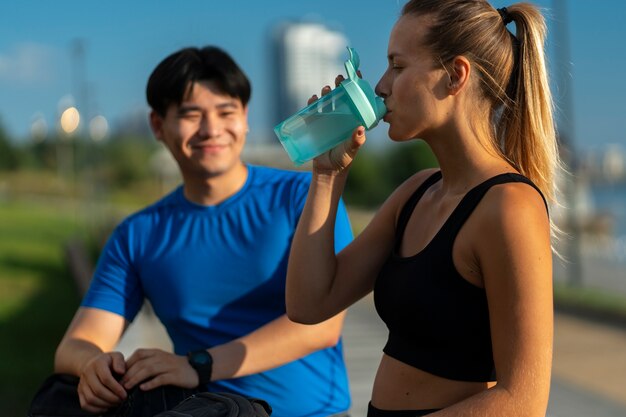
{"x":370,"y":107}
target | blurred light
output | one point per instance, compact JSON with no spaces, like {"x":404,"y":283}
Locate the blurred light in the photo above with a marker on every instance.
{"x":65,"y":102}
{"x":98,"y":128}
{"x":70,"y":118}
{"x":38,"y":128}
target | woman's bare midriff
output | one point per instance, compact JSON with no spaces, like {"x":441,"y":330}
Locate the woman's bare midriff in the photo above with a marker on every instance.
{"x":399,"y":386}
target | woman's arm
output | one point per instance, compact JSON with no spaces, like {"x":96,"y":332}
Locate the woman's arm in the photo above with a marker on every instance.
{"x":514,"y":257}
{"x":320,"y":284}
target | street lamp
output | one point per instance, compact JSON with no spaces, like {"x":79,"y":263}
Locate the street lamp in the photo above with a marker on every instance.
{"x":566,"y":130}
{"x":70,"y":119}
{"x":98,"y":128}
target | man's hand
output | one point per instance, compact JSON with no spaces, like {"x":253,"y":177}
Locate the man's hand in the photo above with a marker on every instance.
{"x":98,"y":390}
{"x":153,"y":368}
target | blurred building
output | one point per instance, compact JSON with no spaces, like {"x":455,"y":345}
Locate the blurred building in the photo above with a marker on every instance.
{"x":613,"y":164}
{"x":604,"y":164}
{"x":307,"y":56}
{"x":134,"y":123}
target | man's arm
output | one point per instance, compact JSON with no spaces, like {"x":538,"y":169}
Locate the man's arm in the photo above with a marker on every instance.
{"x":277,"y":343}
{"x":85,"y":351}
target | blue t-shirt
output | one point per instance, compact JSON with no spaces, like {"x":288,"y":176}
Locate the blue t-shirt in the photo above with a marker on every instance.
{"x":216,"y":273}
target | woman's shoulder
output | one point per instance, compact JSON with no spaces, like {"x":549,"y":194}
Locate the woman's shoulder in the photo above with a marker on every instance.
{"x":420,"y":176}
{"x":517,"y":209}
{"x":514,"y":197}
{"x":396,"y":201}
{"x":411,"y":184}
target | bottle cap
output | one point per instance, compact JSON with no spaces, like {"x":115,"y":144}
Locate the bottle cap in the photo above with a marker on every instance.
{"x":370,"y":108}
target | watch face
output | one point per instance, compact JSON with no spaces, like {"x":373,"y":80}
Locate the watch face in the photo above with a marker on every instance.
{"x":202,"y":362}
{"x":201,"y":358}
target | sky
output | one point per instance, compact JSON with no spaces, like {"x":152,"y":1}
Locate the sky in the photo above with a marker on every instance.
{"x":124,"y":40}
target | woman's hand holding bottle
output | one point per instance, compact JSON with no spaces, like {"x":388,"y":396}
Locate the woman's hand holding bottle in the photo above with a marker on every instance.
{"x":339,"y":158}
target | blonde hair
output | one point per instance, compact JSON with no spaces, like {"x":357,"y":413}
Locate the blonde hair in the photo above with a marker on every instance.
{"x":512,"y":75}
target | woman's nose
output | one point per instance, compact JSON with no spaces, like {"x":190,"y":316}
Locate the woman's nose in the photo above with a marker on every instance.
{"x":380,"y":89}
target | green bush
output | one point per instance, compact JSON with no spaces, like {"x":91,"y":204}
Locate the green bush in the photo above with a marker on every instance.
{"x":125,"y":160}
{"x":8,"y":155}
{"x":376,"y":173}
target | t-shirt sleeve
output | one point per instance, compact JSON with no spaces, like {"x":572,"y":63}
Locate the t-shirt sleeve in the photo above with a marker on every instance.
{"x":343,"y":229}
{"x":115,"y":285}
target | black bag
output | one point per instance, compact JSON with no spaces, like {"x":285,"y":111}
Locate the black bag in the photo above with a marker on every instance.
{"x":219,"y":404}
{"x":57,"y":396}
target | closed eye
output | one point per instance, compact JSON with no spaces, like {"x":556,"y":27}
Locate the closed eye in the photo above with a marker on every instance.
{"x":395,"y":65}
{"x":189,"y":115}
{"x":189,"y":112}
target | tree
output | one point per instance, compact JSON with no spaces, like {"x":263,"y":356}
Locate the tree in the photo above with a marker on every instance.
{"x":9,"y":160}
{"x":405,"y":159}
{"x":376,"y":173}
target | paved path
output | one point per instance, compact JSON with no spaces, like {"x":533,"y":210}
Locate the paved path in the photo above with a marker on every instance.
{"x":589,"y":373}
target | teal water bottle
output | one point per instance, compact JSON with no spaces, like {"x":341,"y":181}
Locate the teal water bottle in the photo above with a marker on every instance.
{"x":325,"y":123}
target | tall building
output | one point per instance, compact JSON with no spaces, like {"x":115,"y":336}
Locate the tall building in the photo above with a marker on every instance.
{"x":308,"y":56}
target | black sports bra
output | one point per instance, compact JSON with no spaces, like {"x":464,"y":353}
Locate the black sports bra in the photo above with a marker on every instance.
{"x":437,"y":320}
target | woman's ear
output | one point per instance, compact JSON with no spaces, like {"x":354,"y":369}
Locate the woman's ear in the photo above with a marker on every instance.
{"x":459,"y":74}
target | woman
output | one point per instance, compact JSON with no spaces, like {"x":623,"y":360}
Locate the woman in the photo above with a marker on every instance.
{"x":459,"y":259}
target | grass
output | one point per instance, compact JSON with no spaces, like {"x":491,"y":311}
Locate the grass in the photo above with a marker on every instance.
{"x":592,"y":303}
{"x":37,"y":296}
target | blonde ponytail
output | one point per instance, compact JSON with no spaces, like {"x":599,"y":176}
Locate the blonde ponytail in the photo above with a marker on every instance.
{"x":512,"y":74}
{"x":526,"y":129}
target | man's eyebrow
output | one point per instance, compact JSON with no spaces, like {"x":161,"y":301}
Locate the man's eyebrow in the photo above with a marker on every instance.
{"x":227,"y":104}
{"x":185,"y":108}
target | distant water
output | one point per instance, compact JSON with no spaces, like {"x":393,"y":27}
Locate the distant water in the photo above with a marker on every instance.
{"x":611,"y":198}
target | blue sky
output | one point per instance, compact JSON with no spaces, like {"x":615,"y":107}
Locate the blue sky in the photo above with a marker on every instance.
{"x":124,"y":40}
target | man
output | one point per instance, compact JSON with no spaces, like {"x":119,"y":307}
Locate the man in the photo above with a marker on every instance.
{"x":211,"y":258}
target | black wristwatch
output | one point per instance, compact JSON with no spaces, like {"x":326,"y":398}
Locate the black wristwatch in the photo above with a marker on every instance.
{"x":202,"y":362}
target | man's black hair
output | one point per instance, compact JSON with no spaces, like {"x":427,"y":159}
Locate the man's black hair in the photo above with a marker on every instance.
{"x":171,"y":79}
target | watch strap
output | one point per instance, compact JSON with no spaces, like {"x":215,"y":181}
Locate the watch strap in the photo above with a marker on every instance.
{"x":202,"y":362}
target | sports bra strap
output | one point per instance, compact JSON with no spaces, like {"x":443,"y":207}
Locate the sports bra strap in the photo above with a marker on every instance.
{"x":410,"y":204}
{"x":474,"y":196}
{"x":467,"y":205}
